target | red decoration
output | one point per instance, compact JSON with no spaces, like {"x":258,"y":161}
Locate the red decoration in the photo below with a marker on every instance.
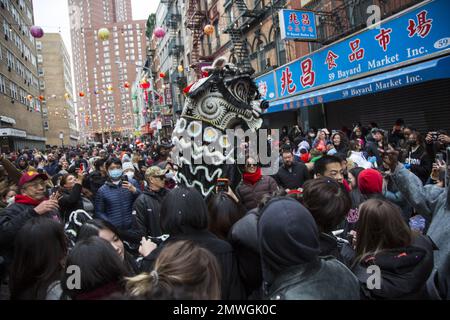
{"x":126,"y":85}
{"x":81,"y":94}
{"x":162,"y":75}
{"x":41,"y":98}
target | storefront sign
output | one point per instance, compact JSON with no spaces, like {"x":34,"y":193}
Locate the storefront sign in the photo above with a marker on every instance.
{"x":297,"y":25}
{"x":10,"y":132}
{"x":412,"y":36}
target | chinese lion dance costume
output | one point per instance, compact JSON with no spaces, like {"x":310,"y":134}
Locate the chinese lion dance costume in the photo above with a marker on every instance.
{"x":226,"y":99}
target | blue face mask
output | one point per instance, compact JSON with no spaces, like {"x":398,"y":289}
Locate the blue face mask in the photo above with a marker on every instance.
{"x":115,"y":174}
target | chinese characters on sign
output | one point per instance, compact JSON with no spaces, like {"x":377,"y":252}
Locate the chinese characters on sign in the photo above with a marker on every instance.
{"x":413,"y":34}
{"x":298,"y":25}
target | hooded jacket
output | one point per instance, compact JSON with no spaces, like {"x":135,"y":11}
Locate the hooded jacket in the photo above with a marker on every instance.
{"x":404,"y":271}
{"x":147,"y":208}
{"x":429,"y":201}
{"x":292,"y":269}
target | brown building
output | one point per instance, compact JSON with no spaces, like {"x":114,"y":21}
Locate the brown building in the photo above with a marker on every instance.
{"x":103,"y":68}
{"x":20,"y":111}
{"x":56,"y":76}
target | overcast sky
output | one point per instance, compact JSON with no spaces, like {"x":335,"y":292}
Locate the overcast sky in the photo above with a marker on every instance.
{"x":53,"y":15}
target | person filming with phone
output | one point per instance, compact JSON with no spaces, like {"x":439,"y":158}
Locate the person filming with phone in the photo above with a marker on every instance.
{"x":114,"y":200}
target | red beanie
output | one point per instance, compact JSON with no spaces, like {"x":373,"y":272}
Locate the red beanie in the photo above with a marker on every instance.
{"x":370,"y":181}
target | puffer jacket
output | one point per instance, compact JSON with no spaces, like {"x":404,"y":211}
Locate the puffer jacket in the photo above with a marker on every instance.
{"x":147,"y":208}
{"x":403,"y":271}
{"x":251,"y":195}
{"x":312,"y":281}
{"x":114,"y":203}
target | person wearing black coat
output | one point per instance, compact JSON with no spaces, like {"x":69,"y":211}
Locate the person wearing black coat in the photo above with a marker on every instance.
{"x":30,"y":203}
{"x":96,"y":178}
{"x":72,"y":198}
{"x":148,"y":205}
{"x":292,"y":174}
{"x":184,"y":216}
{"x":417,"y":158}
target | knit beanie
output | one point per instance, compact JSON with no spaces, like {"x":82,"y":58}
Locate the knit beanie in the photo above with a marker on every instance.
{"x":370,"y":181}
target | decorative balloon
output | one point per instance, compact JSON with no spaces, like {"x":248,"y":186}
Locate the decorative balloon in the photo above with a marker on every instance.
{"x":37,"y":32}
{"x":159,"y":33}
{"x":103,"y":34}
{"x":208,"y":29}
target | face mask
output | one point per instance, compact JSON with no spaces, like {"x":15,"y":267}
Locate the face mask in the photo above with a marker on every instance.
{"x":115,"y":174}
{"x":130,"y":175}
{"x":10,"y":201}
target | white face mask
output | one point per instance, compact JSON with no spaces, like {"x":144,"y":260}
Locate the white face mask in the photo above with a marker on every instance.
{"x":10,"y":201}
{"x":130,"y":175}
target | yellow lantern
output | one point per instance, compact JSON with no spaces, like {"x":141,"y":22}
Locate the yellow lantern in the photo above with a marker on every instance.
{"x":66,"y":96}
{"x":110,"y":88}
{"x":208,"y":29}
{"x":180,"y":68}
{"x":103,"y":34}
{"x":30,"y":97}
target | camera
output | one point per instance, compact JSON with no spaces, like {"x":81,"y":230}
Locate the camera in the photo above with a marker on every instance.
{"x":434,"y":136}
{"x":124,"y":178}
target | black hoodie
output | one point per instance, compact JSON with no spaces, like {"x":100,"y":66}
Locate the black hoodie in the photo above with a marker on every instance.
{"x":404,"y":271}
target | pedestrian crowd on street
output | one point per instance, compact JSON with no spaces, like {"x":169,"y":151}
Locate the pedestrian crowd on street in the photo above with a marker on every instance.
{"x":342,"y":202}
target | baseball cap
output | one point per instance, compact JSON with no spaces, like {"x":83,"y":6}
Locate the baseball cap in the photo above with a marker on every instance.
{"x":30,"y":176}
{"x":155,"y":171}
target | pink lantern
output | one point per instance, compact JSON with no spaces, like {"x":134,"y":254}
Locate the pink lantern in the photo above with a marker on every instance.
{"x":159,"y":32}
{"x":36,"y":32}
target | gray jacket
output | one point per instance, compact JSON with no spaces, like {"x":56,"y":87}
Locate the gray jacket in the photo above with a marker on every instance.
{"x":430,"y":201}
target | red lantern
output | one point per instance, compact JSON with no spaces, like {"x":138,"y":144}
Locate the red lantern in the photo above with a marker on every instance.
{"x":41,"y":98}
{"x":126,"y":85}
{"x":81,"y":94}
{"x":208,"y":29}
{"x":162,"y":75}
{"x":144,"y":84}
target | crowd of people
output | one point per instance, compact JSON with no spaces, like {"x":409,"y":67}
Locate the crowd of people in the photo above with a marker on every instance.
{"x":341,"y":203}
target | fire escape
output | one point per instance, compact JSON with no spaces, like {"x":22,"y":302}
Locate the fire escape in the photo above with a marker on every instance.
{"x":236,"y":28}
{"x":194,"y":21}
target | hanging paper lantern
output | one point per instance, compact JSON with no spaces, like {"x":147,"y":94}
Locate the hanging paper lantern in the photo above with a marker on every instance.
{"x":29,"y":97}
{"x":37,"y":32}
{"x":81,"y":94}
{"x":159,"y":33}
{"x":110,"y":88}
{"x":103,"y":34}
{"x":126,"y":85}
{"x":144,"y":84}
{"x":208,"y":29}
{"x":66,"y":96}
{"x":180,"y":68}
{"x":162,"y":75}
{"x":41,"y":98}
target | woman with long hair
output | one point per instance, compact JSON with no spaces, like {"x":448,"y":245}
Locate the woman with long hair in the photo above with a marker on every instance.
{"x":100,"y":270}
{"x":72,"y":196}
{"x":39,"y":258}
{"x":182,"y":271}
{"x":384,"y":241}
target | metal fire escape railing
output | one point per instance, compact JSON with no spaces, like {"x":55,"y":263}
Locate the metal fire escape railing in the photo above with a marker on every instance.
{"x":194,"y":22}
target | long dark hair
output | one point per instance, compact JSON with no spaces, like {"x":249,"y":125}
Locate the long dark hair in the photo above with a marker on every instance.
{"x":99,"y":266}
{"x":183,"y":210}
{"x":39,"y":254}
{"x":380,"y":227}
{"x":224,"y":212}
